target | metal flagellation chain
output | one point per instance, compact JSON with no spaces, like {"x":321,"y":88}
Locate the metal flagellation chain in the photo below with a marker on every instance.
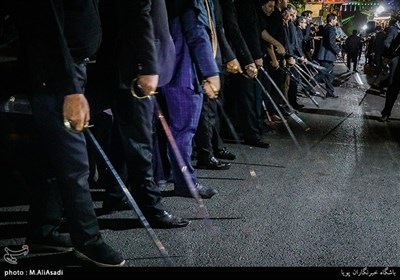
{"x":252,"y":172}
{"x":279,"y":112}
{"x":183,"y":167}
{"x":292,"y":113}
{"x":137,"y":92}
{"x":131,"y":200}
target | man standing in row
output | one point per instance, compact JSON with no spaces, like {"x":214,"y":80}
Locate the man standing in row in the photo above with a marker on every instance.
{"x":58,"y":38}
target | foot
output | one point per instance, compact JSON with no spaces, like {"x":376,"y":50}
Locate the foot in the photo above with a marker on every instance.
{"x":276,"y":119}
{"x":213,"y":164}
{"x":223,"y":153}
{"x":317,"y":93}
{"x":383,"y":118}
{"x":297,"y":106}
{"x":112,"y":205}
{"x":331,"y":96}
{"x":166,"y":220}
{"x":55,"y":241}
{"x":204,"y":192}
{"x":259,"y":144}
{"x":285,"y":110}
{"x":100,"y":254}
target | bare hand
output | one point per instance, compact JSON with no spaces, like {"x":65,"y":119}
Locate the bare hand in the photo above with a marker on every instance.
{"x":290,"y":61}
{"x":275,"y":63}
{"x":280,"y":49}
{"x":302,"y":60}
{"x":212,"y":86}
{"x":148,"y":83}
{"x":76,"y":111}
{"x":259,"y":63}
{"x":251,"y":70}
{"x":233,"y":66}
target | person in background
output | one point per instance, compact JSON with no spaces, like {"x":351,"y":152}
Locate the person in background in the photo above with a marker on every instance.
{"x":328,"y":52}
{"x":353,"y":47}
{"x":308,"y":43}
{"x":378,"y":48}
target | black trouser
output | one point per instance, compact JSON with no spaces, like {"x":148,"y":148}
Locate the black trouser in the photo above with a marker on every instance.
{"x":277,"y":75}
{"x":205,"y":130}
{"x":378,"y":62}
{"x":135,"y":121}
{"x":326,"y":77}
{"x":216,"y":140}
{"x":207,"y":138}
{"x":66,"y":155}
{"x":392,"y":69}
{"x":392,"y":93}
{"x":249,"y":104}
{"x":352,"y":57}
{"x":292,"y":93}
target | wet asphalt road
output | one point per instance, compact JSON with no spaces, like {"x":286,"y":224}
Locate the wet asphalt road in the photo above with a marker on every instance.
{"x":334,"y":203}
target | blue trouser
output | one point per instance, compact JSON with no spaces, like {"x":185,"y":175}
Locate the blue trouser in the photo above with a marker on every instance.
{"x":184,"y":107}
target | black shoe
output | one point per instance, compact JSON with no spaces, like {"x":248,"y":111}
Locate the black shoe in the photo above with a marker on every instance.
{"x":204,"y":192}
{"x":224,"y":154}
{"x":332,"y":96}
{"x":259,"y":144}
{"x":213,"y":164}
{"x":297,"y":106}
{"x":100,"y":254}
{"x":383,"y":118}
{"x":317,"y":93}
{"x":55,"y":241}
{"x":285,"y":110}
{"x":166,"y":220}
{"x":112,"y":205}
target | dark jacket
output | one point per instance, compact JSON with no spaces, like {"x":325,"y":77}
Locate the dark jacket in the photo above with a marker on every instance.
{"x":226,"y":50}
{"x":391,"y":34}
{"x":300,"y":42}
{"x":394,"y":48}
{"x":249,"y":12}
{"x":233,"y":33}
{"x":328,"y":49}
{"x":164,"y":44}
{"x":379,"y":42}
{"x":390,"y":46}
{"x":189,"y":29}
{"x":58,"y":35}
{"x":135,"y":42}
{"x":353,"y":45}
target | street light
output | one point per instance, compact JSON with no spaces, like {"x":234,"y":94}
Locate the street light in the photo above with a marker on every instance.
{"x":380,"y":10}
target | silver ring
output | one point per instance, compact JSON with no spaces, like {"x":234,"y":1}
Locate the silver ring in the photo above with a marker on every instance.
{"x":134,"y":94}
{"x":67,"y":124}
